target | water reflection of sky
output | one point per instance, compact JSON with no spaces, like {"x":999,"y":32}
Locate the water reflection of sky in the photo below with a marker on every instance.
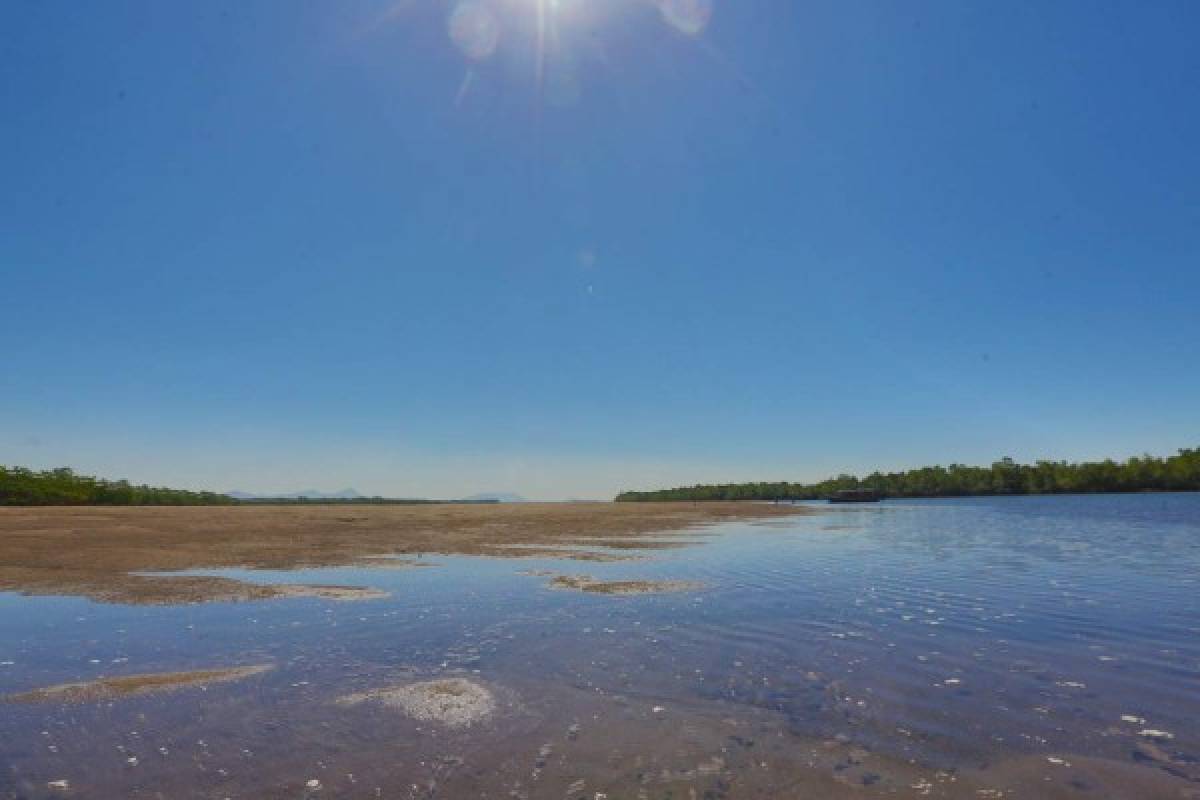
{"x":939,"y":630}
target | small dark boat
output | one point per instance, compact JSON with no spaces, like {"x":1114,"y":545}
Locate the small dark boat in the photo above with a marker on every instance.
{"x":855,"y":496}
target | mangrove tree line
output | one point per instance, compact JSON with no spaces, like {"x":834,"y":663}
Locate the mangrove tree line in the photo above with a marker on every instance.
{"x":63,"y":487}
{"x":1180,"y":472}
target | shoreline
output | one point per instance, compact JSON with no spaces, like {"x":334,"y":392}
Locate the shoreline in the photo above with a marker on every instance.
{"x":103,"y":552}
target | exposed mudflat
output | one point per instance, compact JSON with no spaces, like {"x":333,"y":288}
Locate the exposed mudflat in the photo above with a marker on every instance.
{"x":134,"y":685}
{"x":526,"y":551}
{"x":453,"y":702}
{"x":586,"y":583}
{"x":103,"y":553}
{"x":340,"y":593}
{"x":961,"y":649}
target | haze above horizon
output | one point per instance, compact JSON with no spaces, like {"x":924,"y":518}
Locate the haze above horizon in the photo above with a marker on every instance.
{"x":420,"y":249}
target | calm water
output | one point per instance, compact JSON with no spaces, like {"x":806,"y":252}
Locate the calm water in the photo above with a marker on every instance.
{"x":1016,"y":647}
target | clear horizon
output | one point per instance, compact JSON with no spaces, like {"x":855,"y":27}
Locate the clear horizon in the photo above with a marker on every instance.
{"x":276,"y":247}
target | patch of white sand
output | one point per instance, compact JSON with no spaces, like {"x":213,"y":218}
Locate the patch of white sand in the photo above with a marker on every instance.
{"x":453,"y":702}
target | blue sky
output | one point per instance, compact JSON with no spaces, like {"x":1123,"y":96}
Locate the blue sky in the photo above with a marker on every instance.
{"x":283,"y":245}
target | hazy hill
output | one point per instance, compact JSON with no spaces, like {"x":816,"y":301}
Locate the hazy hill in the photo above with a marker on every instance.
{"x":311,"y":494}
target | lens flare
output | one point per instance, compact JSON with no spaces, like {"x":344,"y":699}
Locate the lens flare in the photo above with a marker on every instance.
{"x":687,"y":16}
{"x":474,"y":29}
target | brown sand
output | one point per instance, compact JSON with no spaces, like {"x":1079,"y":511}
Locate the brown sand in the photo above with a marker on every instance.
{"x":586,"y":583}
{"x":340,"y":593}
{"x":94,"y":551}
{"x":134,"y":685}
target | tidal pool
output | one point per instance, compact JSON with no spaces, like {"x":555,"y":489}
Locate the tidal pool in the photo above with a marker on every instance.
{"x":1010,"y":647}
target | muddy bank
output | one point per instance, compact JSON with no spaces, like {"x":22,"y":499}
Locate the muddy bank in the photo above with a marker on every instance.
{"x":534,"y":551}
{"x":93,"y":552}
{"x":134,"y":685}
{"x":342,"y":594}
{"x":586,"y":583}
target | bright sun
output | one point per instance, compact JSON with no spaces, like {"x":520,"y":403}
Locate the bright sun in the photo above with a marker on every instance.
{"x":477,"y":27}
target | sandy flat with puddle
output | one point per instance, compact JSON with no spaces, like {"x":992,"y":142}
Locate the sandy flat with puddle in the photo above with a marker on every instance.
{"x":134,"y":685}
{"x":102,"y":552}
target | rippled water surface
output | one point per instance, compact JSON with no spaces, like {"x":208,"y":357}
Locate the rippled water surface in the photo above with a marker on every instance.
{"x":1015,"y":647}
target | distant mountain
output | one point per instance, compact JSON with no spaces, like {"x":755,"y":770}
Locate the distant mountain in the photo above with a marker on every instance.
{"x":495,"y":497}
{"x":312,"y":494}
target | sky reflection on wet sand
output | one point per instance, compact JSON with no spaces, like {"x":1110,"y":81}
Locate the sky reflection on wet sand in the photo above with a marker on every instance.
{"x":977,"y":648}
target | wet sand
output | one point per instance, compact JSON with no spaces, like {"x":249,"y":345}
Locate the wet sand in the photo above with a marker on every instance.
{"x":453,"y":702}
{"x":932,"y":653}
{"x":586,"y":583}
{"x":342,"y":594}
{"x":134,"y":685}
{"x":103,"y":553}
{"x":454,"y":737}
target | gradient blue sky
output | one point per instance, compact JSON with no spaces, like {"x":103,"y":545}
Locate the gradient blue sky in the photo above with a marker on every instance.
{"x":282,"y":245}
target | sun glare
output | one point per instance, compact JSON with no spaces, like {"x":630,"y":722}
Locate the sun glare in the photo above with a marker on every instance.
{"x":476,"y":27}
{"x":687,"y":16}
{"x":481,"y":29}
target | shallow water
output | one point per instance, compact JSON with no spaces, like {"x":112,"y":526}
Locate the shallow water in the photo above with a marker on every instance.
{"x":974,"y":648}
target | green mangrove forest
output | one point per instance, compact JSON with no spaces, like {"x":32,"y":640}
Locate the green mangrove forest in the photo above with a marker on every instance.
{"x":1180,"y":472}
{"x":63,"y":487}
